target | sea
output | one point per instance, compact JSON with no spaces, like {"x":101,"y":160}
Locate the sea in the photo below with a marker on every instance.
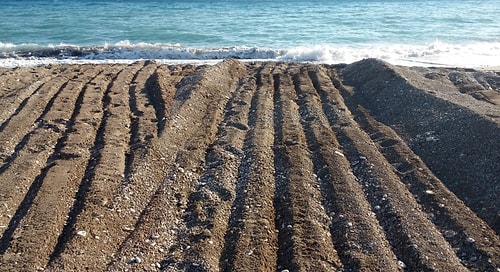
{"x":456,"y":33}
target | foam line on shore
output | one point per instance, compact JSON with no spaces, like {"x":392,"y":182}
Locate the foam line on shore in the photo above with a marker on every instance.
{"x":436,"y":54}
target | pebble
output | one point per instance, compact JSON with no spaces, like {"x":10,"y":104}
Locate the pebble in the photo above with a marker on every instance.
{"x":429,"y":192}
{"x":135,"y":260}
{"x":470,"y":240}
{"x":449,"y":233}
{"x":431,"y":139}
{"x":401,"y":264}
{"x":128,"y":229}
{"x":81,"y":233}
{"x":339,"y":153}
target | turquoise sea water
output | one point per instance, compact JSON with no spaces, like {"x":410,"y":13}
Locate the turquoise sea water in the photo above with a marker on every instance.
{"x":426,"y":32}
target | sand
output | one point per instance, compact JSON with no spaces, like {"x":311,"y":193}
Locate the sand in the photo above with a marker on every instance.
{"x":249,"y":166}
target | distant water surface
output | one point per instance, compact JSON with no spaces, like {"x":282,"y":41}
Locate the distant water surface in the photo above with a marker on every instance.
{"x":426,"y":32}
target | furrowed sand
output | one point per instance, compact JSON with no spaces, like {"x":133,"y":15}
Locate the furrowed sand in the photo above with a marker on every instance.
{"x":244,"y":166}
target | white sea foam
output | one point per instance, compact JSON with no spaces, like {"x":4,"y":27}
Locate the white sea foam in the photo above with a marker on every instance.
{"x":433,"y":54}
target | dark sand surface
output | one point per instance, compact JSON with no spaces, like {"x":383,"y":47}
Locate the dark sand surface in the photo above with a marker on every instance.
{"x":249,"y":167}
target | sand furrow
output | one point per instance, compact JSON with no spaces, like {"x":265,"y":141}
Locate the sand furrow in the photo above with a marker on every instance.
{"x":34,"y":156}
{"x":40,"y":213}
{"x":161,"y":88}
{"x":143,"y":125}
{"x":208,"y":207}
{"x":21,"y":78}
{"x":16,"y":89}
{"x":75,"y":152}
{"x":16,"y":128}
{"x":251,"y":239}
{"x":305,"y":239}
{"x":474,"y":242}
{"x":12,"y":80}
{"x":356,"y":235}
{"x":198,"y":243}
{"x":146,"y":165}
{"x":182,"y":144}
{"x":103,"y":180}
{"x":407,"y":227}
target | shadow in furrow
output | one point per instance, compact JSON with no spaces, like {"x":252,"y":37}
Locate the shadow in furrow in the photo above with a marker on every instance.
{"x":154,"y":93}
{"x":8,"y":161}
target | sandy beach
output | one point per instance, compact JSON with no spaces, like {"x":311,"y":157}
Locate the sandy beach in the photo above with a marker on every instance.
{"x":245,"y":165}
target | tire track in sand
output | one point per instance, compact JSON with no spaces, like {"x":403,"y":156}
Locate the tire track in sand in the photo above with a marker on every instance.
{"x":147,"y":169}
{"x":15,"y":130}
{"x":142,"y":118}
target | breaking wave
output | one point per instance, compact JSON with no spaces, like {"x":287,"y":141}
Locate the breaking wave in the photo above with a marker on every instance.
{"x":433,"y":54}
